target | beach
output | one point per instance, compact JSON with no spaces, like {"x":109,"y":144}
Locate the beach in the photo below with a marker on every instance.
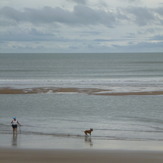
{"x":56,"y":97}
{"x":78,"y":156}
{"x":61,"y":149}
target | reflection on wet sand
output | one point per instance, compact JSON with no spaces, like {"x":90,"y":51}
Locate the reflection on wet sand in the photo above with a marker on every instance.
{"x":14,"y":140}
{"x":88,"y":140}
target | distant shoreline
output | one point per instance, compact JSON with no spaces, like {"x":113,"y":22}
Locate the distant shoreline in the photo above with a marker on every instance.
{"x":89,"y":91}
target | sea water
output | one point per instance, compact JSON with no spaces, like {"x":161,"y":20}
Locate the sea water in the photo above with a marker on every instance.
{"x":118,"y":72}
{"x":120,"y":117}
{"x":69,"y":114}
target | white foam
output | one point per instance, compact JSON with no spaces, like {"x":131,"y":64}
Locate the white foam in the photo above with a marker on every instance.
{"x":115,"y":85}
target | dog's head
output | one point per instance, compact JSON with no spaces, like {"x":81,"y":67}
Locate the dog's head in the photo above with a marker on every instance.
{"x":91,"y":129}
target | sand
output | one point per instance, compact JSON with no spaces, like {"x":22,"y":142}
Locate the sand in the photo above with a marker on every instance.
{"x":78,"y":156}
{"x":89,"y":91}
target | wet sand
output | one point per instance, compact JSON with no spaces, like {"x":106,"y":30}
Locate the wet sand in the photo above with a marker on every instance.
{"x":89,"y":91}
{"x":78,"y":156}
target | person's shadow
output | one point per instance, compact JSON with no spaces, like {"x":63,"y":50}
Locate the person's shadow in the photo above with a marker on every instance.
{"x":88,"y":140}
{"x":14,"y":140}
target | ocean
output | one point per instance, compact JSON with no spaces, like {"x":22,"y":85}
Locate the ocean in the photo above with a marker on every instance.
{"x":68,"y":114}
{"x":119,"y":72}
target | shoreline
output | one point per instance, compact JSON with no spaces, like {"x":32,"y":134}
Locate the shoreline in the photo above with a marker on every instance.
{"x":8,"y":155}
{"x":49,"y":142}
{"x":88,"y":91}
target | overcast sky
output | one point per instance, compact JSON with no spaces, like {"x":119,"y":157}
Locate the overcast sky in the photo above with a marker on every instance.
{"x":81,"y":26}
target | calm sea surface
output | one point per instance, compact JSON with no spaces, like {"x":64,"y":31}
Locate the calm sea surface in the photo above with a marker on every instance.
{"x":119,"y":72}
{"x":67,"y":114}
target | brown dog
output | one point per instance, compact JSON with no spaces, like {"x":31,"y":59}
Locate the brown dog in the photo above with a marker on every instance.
{"x":88,"y":131}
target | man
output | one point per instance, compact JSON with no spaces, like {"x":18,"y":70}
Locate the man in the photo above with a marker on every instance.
{"x":15,"y":124}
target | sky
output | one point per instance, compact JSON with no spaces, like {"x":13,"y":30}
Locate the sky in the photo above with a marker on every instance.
{"x":81,"y":26}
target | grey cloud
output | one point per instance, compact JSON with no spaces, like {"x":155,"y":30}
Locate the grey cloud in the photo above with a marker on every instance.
{"x":81,"y":15}
{"x":11,"y":13}
{"x":146,"y":16}
{"x":143,"y":16}
{"x":87,"y":15}
{"x":160,"y":11}
{"x":6,"y":22}
{"x":149,"y":45}
{"x":133,"y":0}
{"x":157,"y":37}
{"x":79,"y":1}
{"x":140,"y":47}
{"x":44,"y":15}
{"x":20,"y":35}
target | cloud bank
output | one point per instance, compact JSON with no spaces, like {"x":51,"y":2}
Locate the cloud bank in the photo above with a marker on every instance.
{"x":83,"y":15}
{"x":82,"y":28}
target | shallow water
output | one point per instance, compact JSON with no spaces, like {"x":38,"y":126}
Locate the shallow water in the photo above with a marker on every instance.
{"x":111,"y":117}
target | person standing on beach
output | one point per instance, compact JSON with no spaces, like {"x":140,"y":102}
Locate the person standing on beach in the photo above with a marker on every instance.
{"x":15,"y":124}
